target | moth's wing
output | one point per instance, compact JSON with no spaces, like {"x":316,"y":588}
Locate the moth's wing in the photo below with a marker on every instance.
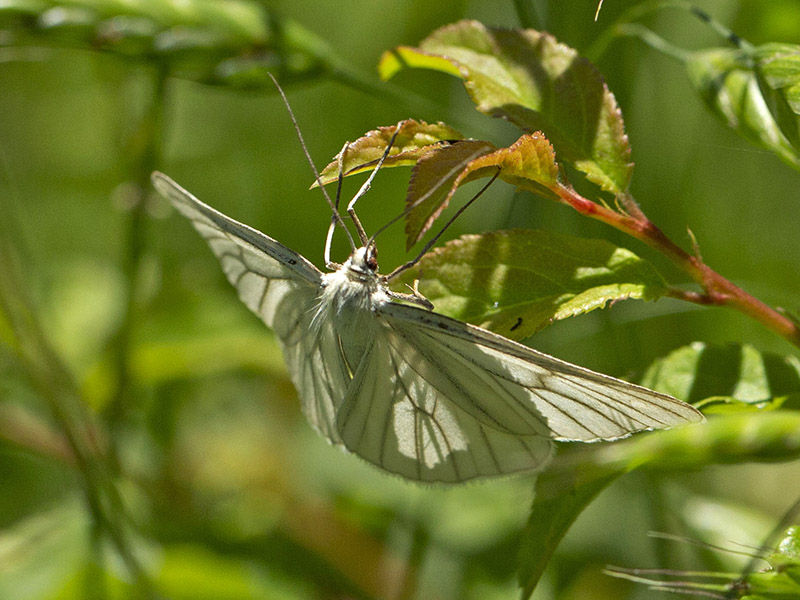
{"x":571,"y":402}
{"x":281,"y":287}
{"x":396,"y":416}
{"x":436,"y":399}
{"x":261,"y":269}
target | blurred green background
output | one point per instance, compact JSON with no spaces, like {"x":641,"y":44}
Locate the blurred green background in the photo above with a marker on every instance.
{"x":227,"y":492}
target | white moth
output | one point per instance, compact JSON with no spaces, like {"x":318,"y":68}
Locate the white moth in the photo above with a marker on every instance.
{"x":416,"y":393}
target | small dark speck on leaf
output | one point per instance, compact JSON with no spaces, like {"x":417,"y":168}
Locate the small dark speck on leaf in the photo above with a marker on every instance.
{"x":517,"y":324}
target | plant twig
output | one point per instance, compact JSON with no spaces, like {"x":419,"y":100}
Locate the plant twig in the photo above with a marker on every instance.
{"x":716,"y":289}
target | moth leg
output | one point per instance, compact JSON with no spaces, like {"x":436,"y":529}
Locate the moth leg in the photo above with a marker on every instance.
{"x":415,"y":297}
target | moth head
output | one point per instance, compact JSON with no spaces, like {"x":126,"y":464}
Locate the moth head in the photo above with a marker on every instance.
{"x":365,"y":260}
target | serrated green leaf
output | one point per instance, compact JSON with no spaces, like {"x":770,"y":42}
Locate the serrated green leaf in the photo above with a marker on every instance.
{"x":756,"y":94}
{"x":414,"y":140}
{"x":738,"y":372}
{"x":528,"y":163}
{"x":517,"y":282}
{"x":535,"y":82}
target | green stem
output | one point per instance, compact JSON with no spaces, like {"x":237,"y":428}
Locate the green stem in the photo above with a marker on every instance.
{"x":717,"y":290}
{"x":143,"y":149}
{"x":652,"y":39}
{"x":601,"y":44}
{"x":624,"y":26}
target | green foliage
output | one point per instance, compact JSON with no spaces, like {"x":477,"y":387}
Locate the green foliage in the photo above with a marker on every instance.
{"x":552,"y":514}
{"x":234,"y":43}
{"x":150,"y":440}
{"x":410,"y":142}
{"x":536,"y":83}
{"x":755,"y":92}
{"x":726,"y":377}
{"x":517,"y":282}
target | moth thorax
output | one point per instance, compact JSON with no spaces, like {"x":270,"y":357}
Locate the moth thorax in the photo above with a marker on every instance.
{"x":349,"y":302}
{"x":349,"y":289}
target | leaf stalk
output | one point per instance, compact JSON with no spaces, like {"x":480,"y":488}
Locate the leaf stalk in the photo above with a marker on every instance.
{"x":716,"y":289}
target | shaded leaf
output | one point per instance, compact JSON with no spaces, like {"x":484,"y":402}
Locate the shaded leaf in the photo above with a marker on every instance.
{"x":433,"y":183}
{"x":757,"y":94}
{"x":727,"y":374}
{"x":414,"y":140}
{"x":579,"y":472}
{"x":517,"y":282}
{"x":528,"y":163}
{"x":535,"y":82}
{"x":559,"y":499}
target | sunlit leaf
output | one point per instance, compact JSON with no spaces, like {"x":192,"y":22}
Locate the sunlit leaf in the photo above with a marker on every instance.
{"x":728,"y":375}
{"x":535,"y":82}
{"x":414,"y":140}
{"x":756,"y":93}
{"x":516,"y":282}
{"x":528,"y":163}
{"x":780,"y":66}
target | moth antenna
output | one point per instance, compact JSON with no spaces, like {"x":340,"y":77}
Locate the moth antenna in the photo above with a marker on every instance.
{"x":362,"y":234}
{"x":335,"y":212}
{"x":428,"y":194}
{"x":434,"y":239}
{"x":332,"y":226}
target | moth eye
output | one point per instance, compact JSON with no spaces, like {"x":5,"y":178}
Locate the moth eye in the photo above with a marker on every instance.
{"x":372,"y":259}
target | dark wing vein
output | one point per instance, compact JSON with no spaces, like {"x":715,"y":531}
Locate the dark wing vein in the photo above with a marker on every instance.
{"x":400,"y":413}
{"x":573,"y":402}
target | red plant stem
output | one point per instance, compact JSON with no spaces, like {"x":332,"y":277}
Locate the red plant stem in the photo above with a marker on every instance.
{"x":717,"y":290}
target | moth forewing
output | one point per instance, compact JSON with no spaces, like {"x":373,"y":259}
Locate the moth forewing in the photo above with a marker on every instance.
{"x":420,"y":395}
{"x":576,"y":404}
